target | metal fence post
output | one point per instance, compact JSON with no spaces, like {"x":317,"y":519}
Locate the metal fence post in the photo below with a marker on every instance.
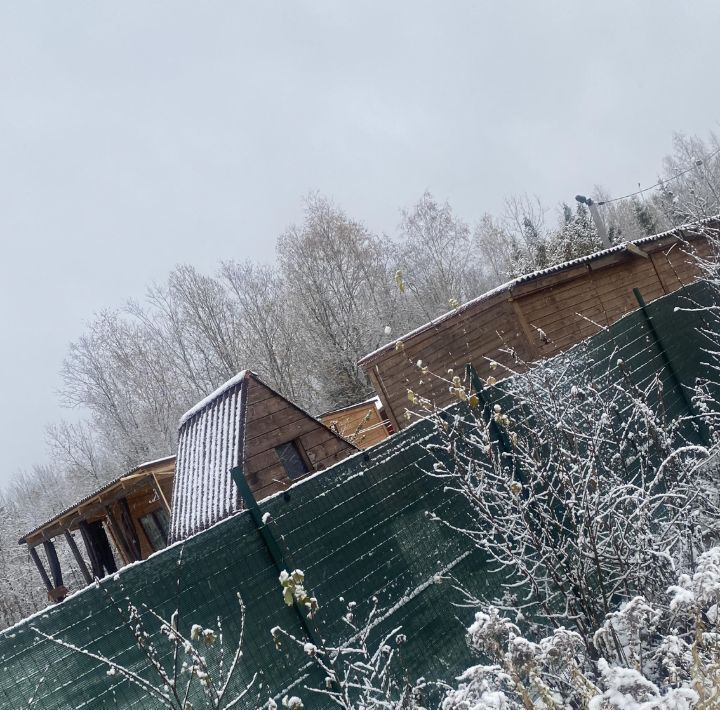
{"x":280,"y":557}
{"x":500,"y":437}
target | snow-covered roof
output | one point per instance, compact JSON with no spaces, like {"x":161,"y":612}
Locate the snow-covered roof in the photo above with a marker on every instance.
{"x":509,"y":285}
{"x":99,"y":492}
{"x":210,"y":441}
{"x":213,"y":396}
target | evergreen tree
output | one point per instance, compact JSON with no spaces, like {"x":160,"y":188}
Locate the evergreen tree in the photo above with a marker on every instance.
{"x":577,"y":237}
{"x":644,"y":217}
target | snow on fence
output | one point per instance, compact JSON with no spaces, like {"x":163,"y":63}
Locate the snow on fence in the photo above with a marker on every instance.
{"x":358,"y":530}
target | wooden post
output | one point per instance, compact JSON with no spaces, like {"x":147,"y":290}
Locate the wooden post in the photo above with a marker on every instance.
{"x":531,"y":342}
{"x":128,"y":528}
{"x":663,"y":353}
{"x":376,"y":380}
{"x":53,"y":562}
{"x":91,"y":547}
{"x":78,"y":557}
{"x":41,"y":569}
{"x":117,"y":533}
{"x":705,"y":435}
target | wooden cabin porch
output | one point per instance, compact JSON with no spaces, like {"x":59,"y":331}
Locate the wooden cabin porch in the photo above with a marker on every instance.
{"x":124,"y":521}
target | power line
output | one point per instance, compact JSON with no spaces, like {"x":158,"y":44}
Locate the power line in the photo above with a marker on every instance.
{"x":695,"y":164}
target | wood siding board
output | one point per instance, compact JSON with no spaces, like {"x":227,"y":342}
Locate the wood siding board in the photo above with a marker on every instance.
{"x":318,"y":436}
{"x":269,"y":489}
{"x":591,"y":310}
{"x":569,"y":306}
{"x":285,"y":423}
{"x":272,"y":422}
{"x":266,"y":476}
{"x":364,"y":423}
{"x":547,"y":312}
{"x":666,"y":272}
{"x":469,"y":312}
{"x":324,"y":453}
{"x":409,"y":376}
{"x":542,"y":283}
{"x":455,"y":349}
{"x":275,"y":437}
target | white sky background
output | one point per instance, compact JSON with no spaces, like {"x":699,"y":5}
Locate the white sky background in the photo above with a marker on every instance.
{"x":138,"y":135}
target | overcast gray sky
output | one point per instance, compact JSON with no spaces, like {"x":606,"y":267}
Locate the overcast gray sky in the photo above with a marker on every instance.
{"x":138,"y":135}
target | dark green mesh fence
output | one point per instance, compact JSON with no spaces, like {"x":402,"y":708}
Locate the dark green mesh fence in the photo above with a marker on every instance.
{"x":357,"y":530}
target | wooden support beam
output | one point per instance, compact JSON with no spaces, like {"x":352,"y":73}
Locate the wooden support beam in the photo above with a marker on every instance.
{"x":374,"y":374}
{"x":128,"y":530}
{"x":90,"y":545}
{"x":93,"y":506}
{"x":38,"y":563}
{"x":634,"y":249}
{"x":532,"y":342}
{"x":117,"y":533}
{"x":159,"y":491}
{"x":78,"y":557}
{"x":53,"y":562}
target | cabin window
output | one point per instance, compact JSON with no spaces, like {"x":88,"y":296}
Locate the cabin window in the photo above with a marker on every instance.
{"x":292,"y":459}
{"x":155,"y":525}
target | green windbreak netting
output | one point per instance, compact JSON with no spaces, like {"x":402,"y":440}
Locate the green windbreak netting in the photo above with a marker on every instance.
{"x":358,"y":530}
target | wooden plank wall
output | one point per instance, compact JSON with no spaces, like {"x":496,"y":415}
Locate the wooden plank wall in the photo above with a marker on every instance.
{"x":362,"y":424}
{"x":538,"y":318}
{"x":272,"y":420}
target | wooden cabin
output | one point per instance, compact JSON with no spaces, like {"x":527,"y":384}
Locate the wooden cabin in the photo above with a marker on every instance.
{"x":244,"y":423}
{"x":132,"y":511}
{"x":536,"y":316}
{"x":364,"y":423}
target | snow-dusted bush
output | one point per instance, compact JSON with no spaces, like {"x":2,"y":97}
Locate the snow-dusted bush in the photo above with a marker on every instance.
{"x":190,"y":668}
{"x":583,"y":494}
{"x":365,"y":672}
{"x":654,"y":656}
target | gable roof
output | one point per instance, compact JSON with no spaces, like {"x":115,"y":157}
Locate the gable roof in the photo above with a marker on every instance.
{"x":211,"y":441}
{"x":684,"y":231}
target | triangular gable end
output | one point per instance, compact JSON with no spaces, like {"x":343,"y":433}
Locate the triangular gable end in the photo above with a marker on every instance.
{"x":283,"y":442}
{"x":245,"y":422}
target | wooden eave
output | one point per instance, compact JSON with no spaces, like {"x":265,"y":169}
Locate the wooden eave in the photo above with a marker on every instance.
{"x":365,"y":404}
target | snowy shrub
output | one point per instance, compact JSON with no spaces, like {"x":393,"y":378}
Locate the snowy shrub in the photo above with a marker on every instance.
{"x":654,"y":657}
{"x":583,"y":493}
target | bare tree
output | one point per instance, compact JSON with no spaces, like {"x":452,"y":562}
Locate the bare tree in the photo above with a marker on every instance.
{"x":438,"y":256}
{"x":339,"y":282}
{"x":272,"y":334}
{"x":494,"y":245}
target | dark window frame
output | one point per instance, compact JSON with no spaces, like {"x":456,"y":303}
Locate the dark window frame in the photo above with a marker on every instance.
{"x":161,"y":525}
{"x":299,"y":455}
